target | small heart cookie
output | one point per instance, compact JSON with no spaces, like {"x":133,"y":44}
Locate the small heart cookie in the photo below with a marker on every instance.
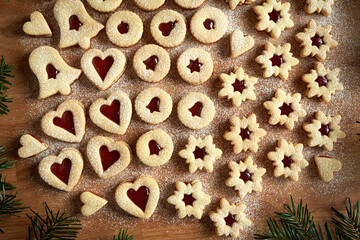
{"x":239,"y":44}
{"x":67,"y":123}
{"x":31,"y":146}
{"x":103,"y":68}
{"x":76,"y":25}
{"x":326,"y":167}
{"x":53,"y":73}
{"x":63,"y":171}
{"x":107,"y":157}
{"x":112,"y":114}
{"x":37,"y":26}
{"x":138,"y":198}
{"x":104,"y":6}
{"x":92,"y":203}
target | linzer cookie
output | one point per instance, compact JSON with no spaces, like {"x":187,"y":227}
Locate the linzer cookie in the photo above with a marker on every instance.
{"x":149,"y":5}
{"x":196,"y":110}
{"x":319,"y":6}
{"x":76,"y":25}
{"x":31,"y":146}
{"x":112,"y":114}
{"x":139,"y":198}
{"x":37,"y":26}
{"x":124,"y":28}
{"x":92,"y":203}
{"x":66,"y":123}
{"x":189,"y":4}
{"x":153,"y":105}
{"x":234,"y":3}
{"x":326,"y":166}
{"x":189,"y":199}
{"x":53,"y":73}
{"x":104,"y":6}
{"x":63,"y":171}
{"x":239,"y":43}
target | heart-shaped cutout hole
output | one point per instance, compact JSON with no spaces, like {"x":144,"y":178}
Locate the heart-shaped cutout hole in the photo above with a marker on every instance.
{"x":66,"y":122}
{"x":112,"y":112}
{"x":62,"y":171}
{"x":103,"y":66}
{"x":108,"y":158}
{"x":139,"y":197}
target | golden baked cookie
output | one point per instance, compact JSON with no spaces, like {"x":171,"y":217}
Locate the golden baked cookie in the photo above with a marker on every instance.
{"x":189,"y":4}
{"x":91,"y":203}
{"x":326,"y":166}
{"x":234,"y":3}
{"x":31,"y":146}
{"x":104,"y":6}
{"x":239,"y":43}
{"x":319,"y":6}
{"x":37,"y":26}
{"x":149,"y":5}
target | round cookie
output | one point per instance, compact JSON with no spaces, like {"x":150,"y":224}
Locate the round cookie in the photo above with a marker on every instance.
{"x":189,"y":4}
{"x":153,"y":105}
{"x":168,"y":28}
{"x":149,"y":5}
{"x":124,"y":28}
{"x":104,"y":6}
{"x":195,"y":66}
{"x":151,"y":63}
{"x":196,"y":110}
{"x":208,"y":25}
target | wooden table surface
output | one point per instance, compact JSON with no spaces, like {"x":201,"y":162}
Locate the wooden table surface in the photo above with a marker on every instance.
{"x":26,"y":112}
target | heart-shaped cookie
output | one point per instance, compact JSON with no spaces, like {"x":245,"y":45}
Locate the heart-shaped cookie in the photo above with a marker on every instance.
{"x":103,"y":68}
{"x":37,"y":26}
{"x":53,"y":73}
{"x":107,"y":157}
{"x":138,"y":198}
{"x":63,"y":171}
{"x":67,"y":123}
{"x":31,"y":146}
{"x":112,"y":114}
{"x":239,"y":44}
{"x":326,"y":167}
{"x":92,"y":203}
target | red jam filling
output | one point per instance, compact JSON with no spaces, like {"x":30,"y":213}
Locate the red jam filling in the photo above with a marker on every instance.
{"x":199,"y":153}
{"x":317,"y":41}
{"x":238,"y":85}
{"x":154,"y":105}
{"x":245,"y":176}
{"x":166,"y":28}
{"x":112,"y":112}
{"x":52,"y":72}
{"x":277,"y":60}
{"x":274,"y":15}
{"x":196,"y":109}
{"x":287,"y":161}
{"x":103,"y":66}
{"x":151,"y":62}
{"x":209,"y":24}
{"x":75,"y":23}
{"x":123,"y":27}
{"x":139,"y":197}
{"x":188,"y":199}
{"x":325,"y":130}
{"x":230,"y":220}
{"x":154,"y":147}
{"x":194,"y":66}
{"x":322,"y":81}
{"x":108,"y":158}
{"x":62,"y":171}
{"x":286,"y":109}
{"x":66,"y":122}
{"x":245,"y":133}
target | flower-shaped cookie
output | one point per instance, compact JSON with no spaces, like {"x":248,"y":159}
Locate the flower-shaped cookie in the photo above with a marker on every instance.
{"x":245,"y":177}
{"x":274,"y":17}
{"x":316,"y":40}
{"x":237,"y":86}
{"x":234,"y":3}
{"x":244,"y":134}
{"x":276,"y":61}
{"x":189,"y":199}
{"x":285,"y":109}
{"x":323,"y":131}
{"x":288,"y":159}
{"x":319,"y":6}
{"x":200,"y":153}
{"x":229,"y":219}
{"x":322,"y":82}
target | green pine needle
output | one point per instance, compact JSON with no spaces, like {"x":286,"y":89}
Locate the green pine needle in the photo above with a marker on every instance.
{"x":53,"y":226}
{"x":123,"y":235}
{"x":5,"y":72}
{"x":5,"y":164}
{"x":348,"y":226}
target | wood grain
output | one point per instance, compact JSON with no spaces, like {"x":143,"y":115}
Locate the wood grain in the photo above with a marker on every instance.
{"x":26,"y":112}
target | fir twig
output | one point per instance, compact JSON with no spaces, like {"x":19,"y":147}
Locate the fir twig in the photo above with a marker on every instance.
{"x":5,"y":164}
{"x":5,"y":72}
{"x":53,"y":226}
{"x":348,"y":226}
{"x":123,"y":235}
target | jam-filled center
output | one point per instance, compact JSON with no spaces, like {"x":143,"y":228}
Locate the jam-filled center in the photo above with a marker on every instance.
{"x":66,"y":122}
{"x":62,"y":171}
{"x":154,"y":105}
{"x":112,"y":112}
{"x":151,"y":62}
{"x":166,"y":28}
{"x":199,"y":153}
{"x":194,"y":65}
{"x":317,"y":41}
{"x":322,"y":81}
{"x":275,"y":15}
{"x":286,"y":109}
{"x":325,"y":130}
{"x":139,"y":197}
{"x":239,"y":86}
{"x":75,"y":23}
{"x":277,"y":60}
{"x":230,"y":219}
{"x":123,"y":27}
{"x":108,"y":158}
{"x":287,"y":161}
{"x":102,"y":67}
{"x":188,"y":199}
{"x":245,"y":176}
{"x":196,"y":109}
{"x":209,"y":24}
{"x":245,"y":133}
{"x":154,"y":148}
{"x":52,"y":72}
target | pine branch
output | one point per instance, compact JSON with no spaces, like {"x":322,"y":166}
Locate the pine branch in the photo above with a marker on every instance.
{"x":5,"y":164}
{"x":53,"y":226}
{"x":5,"y":72}
{"x":123,"y":235}
{"x":348,"y":226}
